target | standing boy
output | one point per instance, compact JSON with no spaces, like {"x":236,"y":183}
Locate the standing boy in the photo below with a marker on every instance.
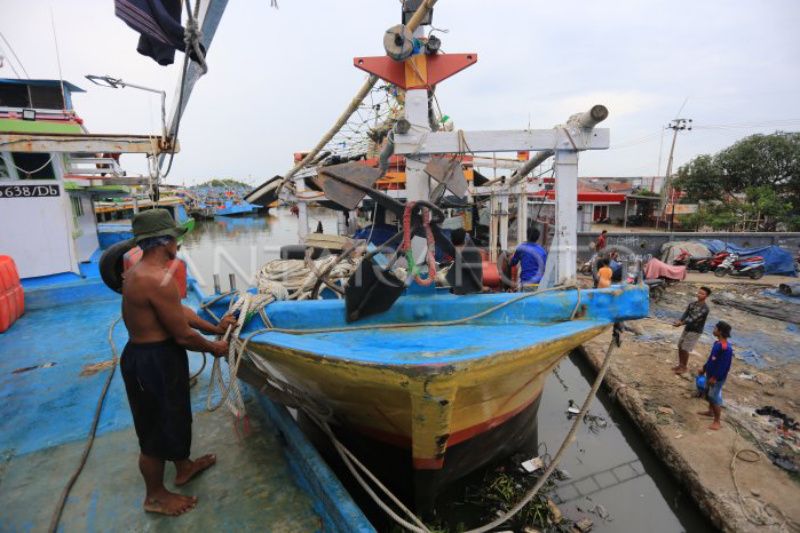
{"x":716,"y":371}
{"x":694,"y":318}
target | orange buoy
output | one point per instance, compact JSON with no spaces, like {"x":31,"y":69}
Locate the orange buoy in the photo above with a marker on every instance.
{"x":12,"y":296}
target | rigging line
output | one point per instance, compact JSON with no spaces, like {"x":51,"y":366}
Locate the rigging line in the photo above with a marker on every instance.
{"x":185,"y":71}
{"x":678,"y":114}
{"x":10,"y":63}
{"x":13,"y":53}
{"x":58,"y":60}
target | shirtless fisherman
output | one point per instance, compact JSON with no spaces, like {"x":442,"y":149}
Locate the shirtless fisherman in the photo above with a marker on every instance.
{"x":155,"y":365}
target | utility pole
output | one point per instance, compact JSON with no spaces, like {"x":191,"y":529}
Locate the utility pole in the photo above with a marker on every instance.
{"x":679,"y":124}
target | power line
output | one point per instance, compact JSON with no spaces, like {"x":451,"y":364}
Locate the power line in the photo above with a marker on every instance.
{"x":10,"y":64}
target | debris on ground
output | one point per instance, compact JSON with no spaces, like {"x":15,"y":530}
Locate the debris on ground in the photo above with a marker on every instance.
{"x":583,"y":525}
{"x":787,"y":422}
{"x":758,"y":306}
{"x":503,"y":486}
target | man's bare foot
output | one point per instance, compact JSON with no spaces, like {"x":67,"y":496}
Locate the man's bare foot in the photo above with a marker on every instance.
{"x":676,"y":367}
{"x":706,"y":413}
{"x":169,"y":503}
{"x":680,"y":369}
{"x":188,"y":469}
{"x":715,"y":425}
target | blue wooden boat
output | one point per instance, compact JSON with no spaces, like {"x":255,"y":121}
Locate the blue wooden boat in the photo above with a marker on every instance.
{"x":232,"y":208}
{"x":441,"y":395}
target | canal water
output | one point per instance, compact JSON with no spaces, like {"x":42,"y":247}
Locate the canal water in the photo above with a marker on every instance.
{"x":614,"y":478}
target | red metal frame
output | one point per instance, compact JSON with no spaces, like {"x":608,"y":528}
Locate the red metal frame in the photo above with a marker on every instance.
{"x":439,"y":67}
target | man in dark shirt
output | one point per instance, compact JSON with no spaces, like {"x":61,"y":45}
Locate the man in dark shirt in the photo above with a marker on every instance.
{"x":694,"y":319}
{"x":466,"y":274}
{"x":532,"y":258}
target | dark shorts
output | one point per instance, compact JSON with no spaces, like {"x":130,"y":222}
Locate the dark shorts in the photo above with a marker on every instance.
{"x":156,"y":378}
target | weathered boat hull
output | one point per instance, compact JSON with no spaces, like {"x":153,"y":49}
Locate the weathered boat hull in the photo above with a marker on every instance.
{"x":435,"y":393}
{"x":422,"y":409}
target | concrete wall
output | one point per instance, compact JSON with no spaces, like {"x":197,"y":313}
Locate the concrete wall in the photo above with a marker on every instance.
{"x":649,"y":243}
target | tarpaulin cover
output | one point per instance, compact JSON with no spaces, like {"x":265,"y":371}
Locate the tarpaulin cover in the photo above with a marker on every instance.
{"x":658,"y":269}
{"x":671,"y":250}
{"x":776,"y":259}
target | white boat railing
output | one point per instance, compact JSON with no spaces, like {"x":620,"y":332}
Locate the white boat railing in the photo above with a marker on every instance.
{"x":94,"y":166}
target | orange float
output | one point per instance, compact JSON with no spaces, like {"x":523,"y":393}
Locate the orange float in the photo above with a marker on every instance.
{"x":12,"y":297}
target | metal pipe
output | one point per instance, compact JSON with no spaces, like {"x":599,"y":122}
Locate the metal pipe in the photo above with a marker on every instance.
{"x":232,"y":281}
{"x":586,"y":120}
{"x":589,"y":119}
{"x":217,"y":285}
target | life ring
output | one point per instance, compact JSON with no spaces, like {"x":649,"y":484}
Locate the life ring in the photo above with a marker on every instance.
{"x":112,"y":266}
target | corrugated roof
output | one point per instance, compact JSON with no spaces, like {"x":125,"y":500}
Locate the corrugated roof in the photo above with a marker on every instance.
{"x":42,"y":83}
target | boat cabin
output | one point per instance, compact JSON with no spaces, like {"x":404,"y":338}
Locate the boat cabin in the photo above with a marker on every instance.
{"x":51,"y":169}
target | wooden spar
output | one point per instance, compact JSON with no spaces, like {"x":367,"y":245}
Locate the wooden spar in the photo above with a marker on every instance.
{"x":85,"y":143}
{"x":351,"y":108}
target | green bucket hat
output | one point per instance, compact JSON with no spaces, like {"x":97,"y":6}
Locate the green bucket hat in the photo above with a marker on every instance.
{"x":155,"y":223}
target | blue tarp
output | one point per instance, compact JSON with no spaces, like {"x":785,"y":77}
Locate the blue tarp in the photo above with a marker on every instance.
{"x":776,"y":259}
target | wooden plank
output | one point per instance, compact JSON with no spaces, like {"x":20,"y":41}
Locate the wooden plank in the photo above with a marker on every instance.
{"x":84,"y":143}
{"x":501,"y":141}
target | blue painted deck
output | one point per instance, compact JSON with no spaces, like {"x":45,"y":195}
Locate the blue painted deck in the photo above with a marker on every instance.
{"x":47,"y":400}
{"x":522,"y":324}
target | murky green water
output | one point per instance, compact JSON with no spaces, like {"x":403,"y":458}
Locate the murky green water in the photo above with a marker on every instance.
{"x":241,"y":245}
{"x":610,"y":467}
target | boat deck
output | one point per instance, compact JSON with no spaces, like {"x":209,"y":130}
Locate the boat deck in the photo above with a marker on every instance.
{"x":55,"y":361}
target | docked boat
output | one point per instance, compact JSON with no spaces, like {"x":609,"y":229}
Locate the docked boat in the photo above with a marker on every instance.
{"x":234,"y":207}
{"x":446,"y":382}
{"x":435,"y":385}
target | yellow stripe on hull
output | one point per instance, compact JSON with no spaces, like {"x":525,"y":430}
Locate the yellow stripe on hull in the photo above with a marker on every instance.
{"x":425,"y":407}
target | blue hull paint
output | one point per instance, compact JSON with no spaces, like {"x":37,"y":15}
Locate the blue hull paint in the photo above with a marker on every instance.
{"x":232,"y":209}
{"x":520,"y":325}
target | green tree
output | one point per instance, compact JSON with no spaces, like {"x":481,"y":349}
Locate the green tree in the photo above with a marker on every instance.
{"x":755,"y":161}
{"x":701,"y":179}
{"x":765,"y":168}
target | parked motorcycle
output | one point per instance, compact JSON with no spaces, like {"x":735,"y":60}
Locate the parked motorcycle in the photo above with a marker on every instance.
{"x":684,"y":258}
{"x":752,"y":267}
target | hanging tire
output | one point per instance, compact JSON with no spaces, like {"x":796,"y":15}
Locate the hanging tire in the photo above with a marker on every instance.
{"x":702,"y":268}
{"x":757,"y":273}
{"x":111,"y":265}
{"x":720,"y":272}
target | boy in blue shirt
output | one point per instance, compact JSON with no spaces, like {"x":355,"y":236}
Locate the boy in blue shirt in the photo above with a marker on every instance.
{"x":532,"y":258}
{"x":716,"y":371}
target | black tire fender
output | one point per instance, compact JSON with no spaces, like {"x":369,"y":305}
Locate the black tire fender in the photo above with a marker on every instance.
{"x":111,"y":264}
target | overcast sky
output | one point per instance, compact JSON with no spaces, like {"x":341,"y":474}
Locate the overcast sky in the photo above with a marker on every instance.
{"x":279,"y":78}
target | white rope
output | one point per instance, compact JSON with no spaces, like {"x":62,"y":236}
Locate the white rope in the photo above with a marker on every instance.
{"x":28,"y":173}
{"x":193,"y":35}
